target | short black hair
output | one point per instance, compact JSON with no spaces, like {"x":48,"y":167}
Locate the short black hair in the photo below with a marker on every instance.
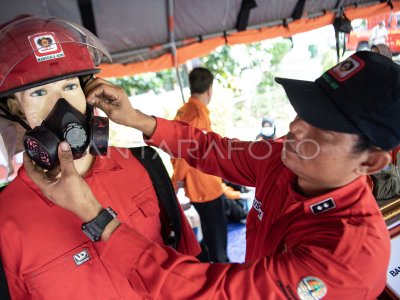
{"x":200,"y":80}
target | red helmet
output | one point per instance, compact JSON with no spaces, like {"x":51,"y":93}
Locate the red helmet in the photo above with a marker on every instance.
{"x":38,"y":50}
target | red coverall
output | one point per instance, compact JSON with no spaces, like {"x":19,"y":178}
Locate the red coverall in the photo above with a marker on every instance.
{"x":46,"y":256}
{"x":293,"y":251}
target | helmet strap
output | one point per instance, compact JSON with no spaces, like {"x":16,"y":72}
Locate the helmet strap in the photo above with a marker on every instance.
{"x":85,"y":79}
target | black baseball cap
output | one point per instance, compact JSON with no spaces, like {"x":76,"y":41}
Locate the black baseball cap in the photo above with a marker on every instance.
{"x":359,"y":95}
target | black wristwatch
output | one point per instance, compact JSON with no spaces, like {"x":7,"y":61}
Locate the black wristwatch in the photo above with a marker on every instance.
{"x":95,"y":228}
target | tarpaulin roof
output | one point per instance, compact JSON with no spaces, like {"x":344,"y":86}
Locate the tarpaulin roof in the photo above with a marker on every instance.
{"x":150,"y":35}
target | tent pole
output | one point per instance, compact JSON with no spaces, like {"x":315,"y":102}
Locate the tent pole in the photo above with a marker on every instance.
{"x":171,"y":32}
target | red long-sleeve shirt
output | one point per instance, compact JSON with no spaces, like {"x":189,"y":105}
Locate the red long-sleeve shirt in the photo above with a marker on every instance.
{"x":334,"y":246}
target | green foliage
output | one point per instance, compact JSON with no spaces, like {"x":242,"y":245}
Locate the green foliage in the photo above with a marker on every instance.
{"x":267,"y":80}
{"x":224,"y":67}
{"x":272,"y":102}
{"x":228,"y":64}
{"x":278,"y":52}
{"x":139,"y":84}
{"x":328,"y":60}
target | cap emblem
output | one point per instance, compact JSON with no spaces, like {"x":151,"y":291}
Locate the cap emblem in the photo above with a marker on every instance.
{"x":347,"y":68}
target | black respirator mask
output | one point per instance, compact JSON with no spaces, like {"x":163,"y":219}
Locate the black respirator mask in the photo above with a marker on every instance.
{"x":65,"y":122}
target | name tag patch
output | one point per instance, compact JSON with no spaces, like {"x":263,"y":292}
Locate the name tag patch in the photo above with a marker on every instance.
{"x":322,"y":206}
{"x":81,"y":257}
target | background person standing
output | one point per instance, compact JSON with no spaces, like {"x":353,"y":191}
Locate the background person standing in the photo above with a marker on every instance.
{"x":204,"y":191}
{"x":268,"y":130}
{"x":379,"y":34}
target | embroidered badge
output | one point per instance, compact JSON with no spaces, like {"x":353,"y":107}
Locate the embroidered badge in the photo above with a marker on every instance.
{"x":347,"y":68}
{"x":46,"y":46}
{"x":322,"y":206}
{"x":257,"y":207}
{"x":81,"y":257}
{"x":311,"y":288}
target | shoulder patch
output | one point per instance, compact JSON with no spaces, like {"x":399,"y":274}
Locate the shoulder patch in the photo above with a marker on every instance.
{"x":311,"y":288}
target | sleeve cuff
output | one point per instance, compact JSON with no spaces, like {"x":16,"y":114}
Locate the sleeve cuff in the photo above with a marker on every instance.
{"x":156,"y":138}
{"x":124,"y":248}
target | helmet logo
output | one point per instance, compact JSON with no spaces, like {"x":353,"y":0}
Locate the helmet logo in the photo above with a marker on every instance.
{"x":46,"y":46}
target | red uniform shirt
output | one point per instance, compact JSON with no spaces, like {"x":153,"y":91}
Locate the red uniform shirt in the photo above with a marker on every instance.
{"x":47,"y":256}
{"x":334,"y":246}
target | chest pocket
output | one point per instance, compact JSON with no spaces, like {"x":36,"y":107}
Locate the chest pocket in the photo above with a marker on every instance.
{"x":78,"y":274}
{"x":145,"y":214}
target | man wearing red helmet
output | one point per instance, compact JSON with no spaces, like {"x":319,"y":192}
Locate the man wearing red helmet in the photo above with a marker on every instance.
{"x":315,"y":230}
{"x":41,"y":88}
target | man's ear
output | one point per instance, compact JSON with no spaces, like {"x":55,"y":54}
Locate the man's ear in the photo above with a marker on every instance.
{"x":376,"y":160}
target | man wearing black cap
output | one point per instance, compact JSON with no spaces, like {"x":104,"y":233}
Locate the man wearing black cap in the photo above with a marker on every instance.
{"x":314,"y":231}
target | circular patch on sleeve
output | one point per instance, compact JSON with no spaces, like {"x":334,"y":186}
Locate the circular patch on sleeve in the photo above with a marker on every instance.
{"x":311,"y":288}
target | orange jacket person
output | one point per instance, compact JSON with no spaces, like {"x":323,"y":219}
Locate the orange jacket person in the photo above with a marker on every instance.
{"x":204,"y":191}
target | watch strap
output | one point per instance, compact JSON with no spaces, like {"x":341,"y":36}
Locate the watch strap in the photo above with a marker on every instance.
{"x":93,"y":229}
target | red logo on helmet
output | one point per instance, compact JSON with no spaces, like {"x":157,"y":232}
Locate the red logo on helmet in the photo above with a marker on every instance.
{"x":46,"y":46}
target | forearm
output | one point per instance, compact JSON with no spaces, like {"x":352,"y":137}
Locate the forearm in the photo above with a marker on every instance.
{"x":208,"y":152}
{"x":142,"y":122}
{"x":154,"y":270}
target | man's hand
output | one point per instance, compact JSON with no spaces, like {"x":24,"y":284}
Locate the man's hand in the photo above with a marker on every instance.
{"x":67,"y":190}
{"x":111,"y":99}
{"x":116,"y":105}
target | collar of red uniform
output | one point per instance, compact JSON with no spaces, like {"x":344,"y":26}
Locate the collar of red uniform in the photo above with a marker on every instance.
{"x":101,"y":164}
{"x":197,"y":102}
{"x":340,"y":198}
{"x":107,"y":163}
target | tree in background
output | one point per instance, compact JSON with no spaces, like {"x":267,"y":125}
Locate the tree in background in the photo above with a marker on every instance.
{"x":278,"y":52}
{"x":139,"y":84}
{"x":234,"y":67}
